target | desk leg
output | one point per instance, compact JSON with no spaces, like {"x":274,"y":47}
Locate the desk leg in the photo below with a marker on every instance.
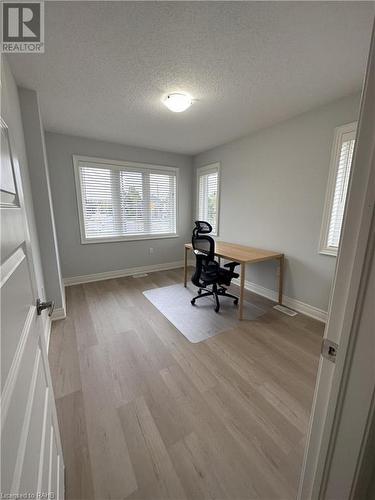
{"x":242,"y":290}
{"x":281,"y":279}
{"x":185,"y":267}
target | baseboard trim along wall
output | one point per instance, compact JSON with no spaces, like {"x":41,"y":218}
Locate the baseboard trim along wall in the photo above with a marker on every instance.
{"x":58,"y":313}
{"x":297,"y":305}
{"x":47,"y":331}
{"x":77,"y":280}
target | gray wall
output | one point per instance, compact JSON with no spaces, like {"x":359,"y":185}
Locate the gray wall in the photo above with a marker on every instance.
{"x":273,"y":186}
{"x":78,"y":259}
{"x":10,"y":110}
{"x":272,"y":196}
{"x":40,"y":185}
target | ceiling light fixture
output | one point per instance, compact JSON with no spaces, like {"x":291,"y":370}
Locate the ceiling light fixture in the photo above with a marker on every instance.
{"x":178,"y":102}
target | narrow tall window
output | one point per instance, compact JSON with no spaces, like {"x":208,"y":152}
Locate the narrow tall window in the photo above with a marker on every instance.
{"x":337,"y":189}
{"x":208,"y":186}
{"x":121,"y":200}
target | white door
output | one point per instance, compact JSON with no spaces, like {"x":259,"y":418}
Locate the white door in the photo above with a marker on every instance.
{"x":32,"y":462}
{"x":343,"y":399}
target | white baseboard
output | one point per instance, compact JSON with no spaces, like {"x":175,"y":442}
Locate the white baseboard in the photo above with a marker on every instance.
{"x":58,"y":313}
{"x":47,"y":331}
{"x":297,"y":305}
{"x":77,"y":280}
{"x":307,"y":309}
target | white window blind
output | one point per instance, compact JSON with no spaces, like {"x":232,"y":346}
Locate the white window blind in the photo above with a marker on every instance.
{"x":208,"y":195}
{"x":124,"y":201}
{"x":341,"y":189}
{"x":341,"y":162}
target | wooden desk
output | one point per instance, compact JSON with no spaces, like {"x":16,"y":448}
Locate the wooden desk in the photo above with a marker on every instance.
{"x":244,"y":255}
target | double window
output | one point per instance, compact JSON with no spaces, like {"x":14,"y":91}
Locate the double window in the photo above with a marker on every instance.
{"x":208,"y":187}
{"x":338,"y":182}
{"x":124,"y":201}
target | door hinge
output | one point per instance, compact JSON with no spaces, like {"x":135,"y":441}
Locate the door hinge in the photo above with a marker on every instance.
{"x":329,"y":350}
{"x":40,"y":306}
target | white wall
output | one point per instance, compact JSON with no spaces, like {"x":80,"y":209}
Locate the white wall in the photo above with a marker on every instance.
{"x":10,"y":110}
{"x":273,"y":187}
{"x":78,"y":259}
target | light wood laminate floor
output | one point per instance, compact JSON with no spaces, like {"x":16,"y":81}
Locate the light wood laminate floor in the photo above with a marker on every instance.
{"x":144,"y":414}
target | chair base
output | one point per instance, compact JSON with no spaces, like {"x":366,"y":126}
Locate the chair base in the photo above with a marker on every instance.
{"x":216,"y":293}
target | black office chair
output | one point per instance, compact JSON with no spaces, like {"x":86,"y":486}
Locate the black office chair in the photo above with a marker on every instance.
{"x":208,"y":272}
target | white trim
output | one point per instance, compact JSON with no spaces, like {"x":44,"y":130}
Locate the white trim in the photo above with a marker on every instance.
{"x":337,"y":433}
{"x":47,"y":374}
{"x":339,"y":132}
{"x":10,"y":265}
{"x":209,"y":168}
{"x":47,"y":400}
{"x":26,"y":425}
{"x":63,"y":306}
{"x":58,"y":313}
{"x":119,"y":165}
{"x":59,"y":478}
{"x":11,"y":379}
{"x":332,"y":251}
{"x":88,"y":278}
{"x":47,"y":331}
{"x":297,"y":305}
{"x":204,"y":170}
{"x":306,"y":309}
{"x":115,"y":239}
{"x":50,"y":471}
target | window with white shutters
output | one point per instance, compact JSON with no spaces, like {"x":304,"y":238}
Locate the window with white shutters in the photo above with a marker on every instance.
{"x":121,"y":200}
{"x":208,"y":178}
{"x":338,"y":182}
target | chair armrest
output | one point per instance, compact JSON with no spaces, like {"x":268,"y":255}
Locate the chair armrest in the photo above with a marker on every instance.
{"x":231,"y":265}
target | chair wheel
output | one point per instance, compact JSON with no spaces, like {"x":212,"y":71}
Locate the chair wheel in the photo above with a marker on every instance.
{"x":192,"y":302}
{"x":235,"y":302}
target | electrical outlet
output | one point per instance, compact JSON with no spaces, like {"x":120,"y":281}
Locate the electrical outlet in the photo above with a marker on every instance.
{"x":151,"y":250}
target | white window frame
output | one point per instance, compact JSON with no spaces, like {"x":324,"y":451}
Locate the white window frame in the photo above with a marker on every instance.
{"x":116,"y":164}
{"x":204,"y":170}
{"x":339,"y":132}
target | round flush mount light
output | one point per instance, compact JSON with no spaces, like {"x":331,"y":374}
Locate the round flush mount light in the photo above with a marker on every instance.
{"x":178,"y":102}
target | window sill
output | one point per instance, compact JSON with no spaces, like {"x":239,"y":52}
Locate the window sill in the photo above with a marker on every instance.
{"x":90,"y":241}
{"x":328,"y":251}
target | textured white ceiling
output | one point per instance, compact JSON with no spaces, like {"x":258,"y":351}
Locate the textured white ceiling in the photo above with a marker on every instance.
{"x":248,"y":64}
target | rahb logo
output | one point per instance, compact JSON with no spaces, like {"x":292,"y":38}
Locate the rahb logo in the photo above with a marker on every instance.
{"x":22,"y":27}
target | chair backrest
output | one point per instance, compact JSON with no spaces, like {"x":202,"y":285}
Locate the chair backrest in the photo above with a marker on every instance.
{"x":201,"y":242}
{"x":204,"y":249}
{"x":202,"y":227}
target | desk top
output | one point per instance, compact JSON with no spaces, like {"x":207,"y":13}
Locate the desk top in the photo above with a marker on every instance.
{"x":241,"y":253}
